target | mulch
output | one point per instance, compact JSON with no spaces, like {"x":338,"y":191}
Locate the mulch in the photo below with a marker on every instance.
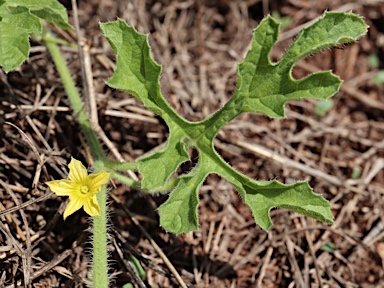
{"x":199,"y":44}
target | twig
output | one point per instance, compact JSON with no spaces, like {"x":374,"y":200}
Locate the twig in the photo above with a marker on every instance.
{"x":128,"y":265}
{"x":28,"y":140}
{"x":25,"y":204}
{"x":129,"y":115}
{"x":292,"y":259}
{"x":80,"y":44}
{"x":89,"y":91}
{"x":260,"y":150}
{"x":312,"y":252}
{"x":266,"y":259}
{"x":165,"y":259}
{"x":26,"y":255}
{"x":46,"y":267}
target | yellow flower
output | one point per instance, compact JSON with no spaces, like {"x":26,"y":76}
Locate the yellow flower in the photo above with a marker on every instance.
{"x":81,"y":188}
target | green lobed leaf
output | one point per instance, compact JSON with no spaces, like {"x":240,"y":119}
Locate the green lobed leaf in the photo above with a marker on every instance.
{"x":20,"y":18}
{"x":139,"y":75}
{"x":262,"y":87}
{"x":297,"y":197}
{"x":265,"y":87}
{"x":50,"y":10}
{"x":136,"y":73}
{"x":14,"y":46}
{"x":167,"y":159}
{"x":179,"y":212}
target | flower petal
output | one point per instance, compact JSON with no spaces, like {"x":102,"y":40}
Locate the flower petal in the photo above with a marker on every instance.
{"x":92,"y":207}
{"x":77,"y":172}
{"x":61,"y":187}
{"x":95,"y":181}
{"x":73,"y":205}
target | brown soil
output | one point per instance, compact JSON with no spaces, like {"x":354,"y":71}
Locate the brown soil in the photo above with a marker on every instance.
{"x":199,"y":44}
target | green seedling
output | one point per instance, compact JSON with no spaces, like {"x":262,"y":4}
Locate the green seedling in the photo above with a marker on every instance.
{"x":356,"y":172}
{"x":379,"y":77}
{"x":373,"y":61}
{"x":323,"y":106}
{"x":284,"y":21}
{"x":328,"y":247}
{"x":263,"y":87}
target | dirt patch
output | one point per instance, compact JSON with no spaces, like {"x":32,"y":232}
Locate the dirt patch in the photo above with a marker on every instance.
{"x":199,"y":44}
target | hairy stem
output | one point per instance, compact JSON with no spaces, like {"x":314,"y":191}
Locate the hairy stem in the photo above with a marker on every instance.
{"x":100,"y":265}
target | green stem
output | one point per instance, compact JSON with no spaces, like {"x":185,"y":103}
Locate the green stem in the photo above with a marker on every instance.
{"x":125,"y":180}
{"x":120,"y":166}
{"x":50,"y":38}
{"x":170,"y":185}
{"x":100,"y":240}
{"x":100,"y":255}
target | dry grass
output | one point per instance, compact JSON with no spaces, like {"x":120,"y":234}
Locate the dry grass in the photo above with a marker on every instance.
{"x":199,"y":44}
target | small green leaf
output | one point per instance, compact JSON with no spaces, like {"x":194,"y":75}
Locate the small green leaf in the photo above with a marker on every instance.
{"x":285,"y":21}
{"x":137,"y":266}
{"x":356,"y":172}
{"x":328,"y":247}
{"x":379,"y":77}
{"x":323,"y":106}
{"x":373,"y":61}
{"x":18,"y":20}
{"x":262,"y":87}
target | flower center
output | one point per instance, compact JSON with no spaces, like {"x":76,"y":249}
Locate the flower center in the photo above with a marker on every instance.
{"x":84,"y":189}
